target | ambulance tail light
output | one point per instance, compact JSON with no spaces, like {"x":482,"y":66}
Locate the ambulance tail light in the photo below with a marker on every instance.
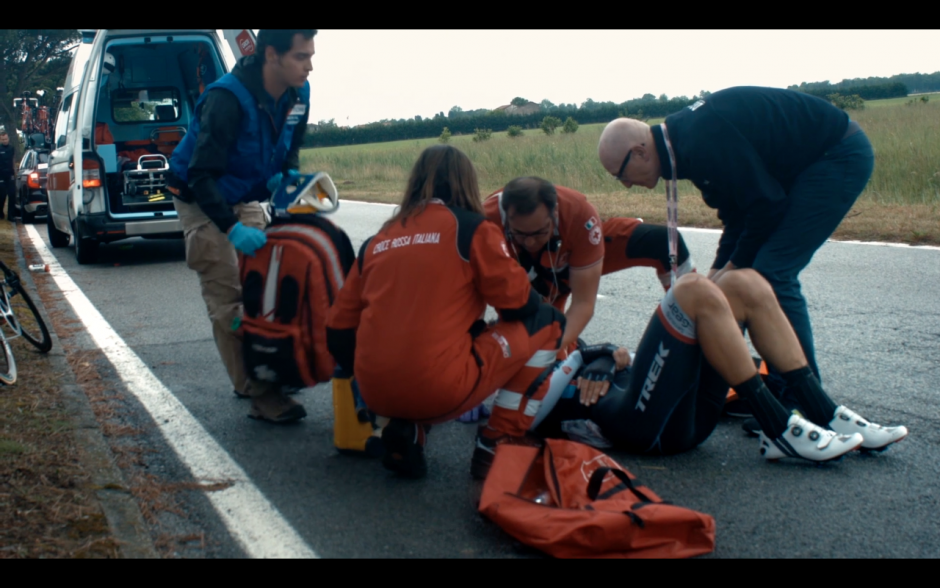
{"x":91,"y":174}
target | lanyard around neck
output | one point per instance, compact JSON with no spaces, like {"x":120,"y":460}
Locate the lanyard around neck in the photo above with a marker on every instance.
{"x":672,"y":210}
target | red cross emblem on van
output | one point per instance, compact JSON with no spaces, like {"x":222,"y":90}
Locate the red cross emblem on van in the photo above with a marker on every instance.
{"x":245,"y":43}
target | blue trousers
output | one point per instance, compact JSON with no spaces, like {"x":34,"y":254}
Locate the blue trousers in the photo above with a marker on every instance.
{"x":819,"y":199}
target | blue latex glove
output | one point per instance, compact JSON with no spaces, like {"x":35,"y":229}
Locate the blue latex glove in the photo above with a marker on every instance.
{"x":247,"y":239}
{"x":275,"y":182}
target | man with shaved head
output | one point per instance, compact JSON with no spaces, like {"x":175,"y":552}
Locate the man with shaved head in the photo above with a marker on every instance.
{"x":781,"y":167}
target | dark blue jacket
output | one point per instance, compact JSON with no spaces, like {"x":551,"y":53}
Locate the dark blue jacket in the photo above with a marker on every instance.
{"x":743,"y":148}
{"x":7,"y":162}
{"x":250,"y":139}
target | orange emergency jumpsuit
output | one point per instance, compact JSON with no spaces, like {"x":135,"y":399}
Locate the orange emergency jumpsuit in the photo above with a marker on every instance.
{"x":415,"y":298}
{"x":585,"y":241}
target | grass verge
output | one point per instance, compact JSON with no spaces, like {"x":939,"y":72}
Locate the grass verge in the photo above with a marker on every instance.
{"x":47,"y":503}
{"x":901,"y":203}
{"x":161,"y":501}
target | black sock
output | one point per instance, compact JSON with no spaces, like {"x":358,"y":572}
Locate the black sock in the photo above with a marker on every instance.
{"x":770,"y":414}
{"x":803,"y":384}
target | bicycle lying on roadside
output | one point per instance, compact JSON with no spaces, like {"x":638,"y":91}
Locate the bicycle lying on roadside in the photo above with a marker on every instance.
{"x":22,"y":317}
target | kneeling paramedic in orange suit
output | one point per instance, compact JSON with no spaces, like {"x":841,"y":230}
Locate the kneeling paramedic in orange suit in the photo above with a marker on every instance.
{"x":558,"y":238}
{"x":408,"y":320}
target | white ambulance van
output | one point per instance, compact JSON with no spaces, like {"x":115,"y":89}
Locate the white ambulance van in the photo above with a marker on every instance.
{"x":128,"y":101}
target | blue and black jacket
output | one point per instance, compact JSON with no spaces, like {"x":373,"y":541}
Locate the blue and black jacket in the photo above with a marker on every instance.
{"x":240,"y":138}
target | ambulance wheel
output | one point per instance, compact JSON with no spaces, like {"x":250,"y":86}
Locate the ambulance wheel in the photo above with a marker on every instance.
{"x":56,"y":237}
{"x":86,"y":250}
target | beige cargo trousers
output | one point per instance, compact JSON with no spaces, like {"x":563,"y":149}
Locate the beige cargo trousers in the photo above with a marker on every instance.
{"x":213,"y":257}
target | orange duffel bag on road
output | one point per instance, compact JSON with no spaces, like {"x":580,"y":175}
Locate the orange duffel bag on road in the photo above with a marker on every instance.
{"x":570,"y":500}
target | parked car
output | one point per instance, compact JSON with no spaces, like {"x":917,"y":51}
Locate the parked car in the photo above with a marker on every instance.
{"x":128,"y":100}
{"x":31,"y":199}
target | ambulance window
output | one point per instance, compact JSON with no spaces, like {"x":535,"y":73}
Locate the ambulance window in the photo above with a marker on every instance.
{"x":73,"y":113}
{"x":61,"y":120}
{"x":135,"y":105}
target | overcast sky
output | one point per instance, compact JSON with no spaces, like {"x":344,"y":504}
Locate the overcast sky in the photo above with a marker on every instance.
{"x":365,"y":76}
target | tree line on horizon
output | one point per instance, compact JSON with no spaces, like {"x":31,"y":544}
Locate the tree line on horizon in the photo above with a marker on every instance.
{"x":916,"y":83}
{"x":39,"y":59}
{"x":459,"y":121}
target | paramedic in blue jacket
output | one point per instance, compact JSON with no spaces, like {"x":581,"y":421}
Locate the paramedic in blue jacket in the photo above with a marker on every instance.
{"x":245,"y":138}
{"x":781,"y":167}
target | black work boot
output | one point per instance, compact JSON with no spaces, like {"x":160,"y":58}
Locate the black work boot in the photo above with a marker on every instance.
{"x":275,"y":407}
{"x":404,"y":448}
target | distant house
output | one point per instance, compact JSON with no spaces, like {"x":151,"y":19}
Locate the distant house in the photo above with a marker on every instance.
{"x":527,"y":108}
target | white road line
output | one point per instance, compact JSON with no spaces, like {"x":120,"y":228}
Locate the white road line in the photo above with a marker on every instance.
{"x":364,"y":202}
{"x":254,"y":522}
{"x":718,"y":232}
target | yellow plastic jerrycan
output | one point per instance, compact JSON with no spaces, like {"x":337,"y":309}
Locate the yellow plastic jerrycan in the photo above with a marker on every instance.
{"x":353,"y":432}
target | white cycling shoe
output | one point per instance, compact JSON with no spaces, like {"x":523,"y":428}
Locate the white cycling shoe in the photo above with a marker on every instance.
{"x":876,"y":437}
{"x":808,"y":441}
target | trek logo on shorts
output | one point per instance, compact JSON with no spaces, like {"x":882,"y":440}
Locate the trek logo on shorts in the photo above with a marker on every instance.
{"x":652,"y":377}
{"x":698,"y":103}
{"x":293,"y":118}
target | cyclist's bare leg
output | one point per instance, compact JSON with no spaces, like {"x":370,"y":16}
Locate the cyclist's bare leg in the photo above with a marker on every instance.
{"x":753,"y":303}
{"x":717,"y":329}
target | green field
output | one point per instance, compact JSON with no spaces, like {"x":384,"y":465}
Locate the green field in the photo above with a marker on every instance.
{"x":900,"y":101}
{"x":903,"y":194}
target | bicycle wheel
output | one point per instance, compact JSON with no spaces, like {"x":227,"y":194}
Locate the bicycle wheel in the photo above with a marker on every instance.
{"x":7,"y":363}
{"x":27,"y":317}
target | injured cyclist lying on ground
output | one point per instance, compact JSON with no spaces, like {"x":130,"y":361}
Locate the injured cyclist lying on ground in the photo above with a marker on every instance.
{"x":670,"y":399}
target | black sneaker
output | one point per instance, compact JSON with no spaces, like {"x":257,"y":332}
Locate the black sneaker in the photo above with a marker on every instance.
{"x":285,"y":390}
{"x":404,"y":448}
{"x":274,"y":407}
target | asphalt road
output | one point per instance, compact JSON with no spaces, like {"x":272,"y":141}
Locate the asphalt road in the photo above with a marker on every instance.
{"x":876,"y":313}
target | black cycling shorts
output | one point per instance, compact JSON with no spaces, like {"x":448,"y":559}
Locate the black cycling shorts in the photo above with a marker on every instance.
{"x":668,"y":401}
